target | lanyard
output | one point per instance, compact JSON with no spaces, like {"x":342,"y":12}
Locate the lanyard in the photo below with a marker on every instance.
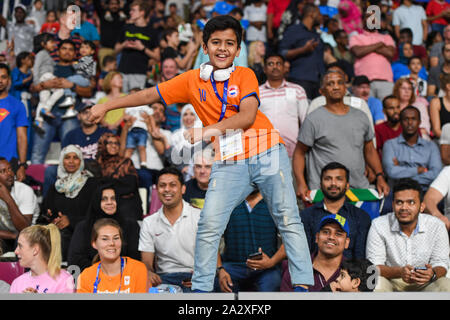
{"x":97,"y":279}
{"x":222,"y":99}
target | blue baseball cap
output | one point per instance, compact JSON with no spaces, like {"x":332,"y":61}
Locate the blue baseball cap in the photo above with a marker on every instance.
{"x":340,"y":220}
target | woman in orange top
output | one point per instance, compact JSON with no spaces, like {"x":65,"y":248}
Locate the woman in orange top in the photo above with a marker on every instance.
{"x":113,"y":273}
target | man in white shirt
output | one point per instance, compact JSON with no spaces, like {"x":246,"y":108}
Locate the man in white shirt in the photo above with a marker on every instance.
{"x":410,"y":249}
{"x":412,"y":16}
{"x":18,"y":204}
{"x":169,"y":234}
{"x":284,"y":103}
{"x":439,"y":189}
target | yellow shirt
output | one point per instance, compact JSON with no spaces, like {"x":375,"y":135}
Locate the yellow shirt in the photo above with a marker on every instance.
{"x":111,"y":117}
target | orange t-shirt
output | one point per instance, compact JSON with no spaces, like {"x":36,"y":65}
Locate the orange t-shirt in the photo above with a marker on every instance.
{"x":134,"y":279}
{"x":188,"y":87}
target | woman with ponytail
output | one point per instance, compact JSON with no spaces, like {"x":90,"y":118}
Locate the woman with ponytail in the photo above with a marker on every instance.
{"x":111,"y":272}
{"x":39,"y":249}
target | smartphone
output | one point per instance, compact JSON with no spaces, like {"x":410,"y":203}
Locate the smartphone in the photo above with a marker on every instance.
{"x":420,"y":268}
{"x":255,"y":256}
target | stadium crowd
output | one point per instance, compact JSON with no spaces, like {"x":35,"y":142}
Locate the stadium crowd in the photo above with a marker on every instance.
{"x":358,"y":90}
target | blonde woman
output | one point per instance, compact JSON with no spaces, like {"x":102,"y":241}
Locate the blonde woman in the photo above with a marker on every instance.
{"x":113,"y":86}
{"x":114,"y":273}
{"x":256,"y":54}
{"x":39,"y":249}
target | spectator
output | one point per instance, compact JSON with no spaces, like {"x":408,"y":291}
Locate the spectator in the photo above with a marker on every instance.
{"x":86,"y":30}
{"x":170,"y":257}
{"x":404,"y":91}
{"x":361,"y":89}
{"x":284,"y":103}
{"x":51,"y":25}
{"x":104,"y":204}
{"x":350,"y":16}
{"x":197,"y":186}
{"x":438,"y":11}
{"x":410,"y":156}
{"x":20,"y":33}
{"x":420,"y":84}
{"x":250,"y":230}
{"x":444,"y":144}
{"x":169,"y":69}
{"x":334,"y":184}
{"x":67,"y":201}
{"x":256,"y":54}
{"x":401,"y":266}
{"x":39,"y":249}
{"x":434,"y":87}
{"x":331,"y":26}
{"x":355,"y":276}
{"x":65,"y":28}
{"x":63,"y":70}
{"x":172,"y":38}
{"x":439,"y":189}
{"x":390,"y":128}
{"x":400,"y":67}
{"x":437,"y":51}
{"x":113,"y":273}
{"x":109,"y":64}
{"x":341,"y":50}
{"x":115,"y":166}
{"x":22,"y":77}
{"x":336,"y":123}
{"x":439,"y":113}
{"x":37,"y":15}
{"x":412,"y":16}
{"x":332,"y":238}
{"x":256,"y":14}
{"x":373,"y":53}
{"x":275,"y":10}
{"x":183,"y":150}
{"x":110,"y":26}
{"x":113,"y":87}
{"x":406,"y":36}
{"x":18,"y":206}
{"x":302,"y":47}
{"x":137,"y":42}
{"x":13,"y":125}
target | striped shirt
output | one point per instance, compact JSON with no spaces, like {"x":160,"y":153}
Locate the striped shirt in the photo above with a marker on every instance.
{"x":286,"y":107}
{"x":249,"y":230}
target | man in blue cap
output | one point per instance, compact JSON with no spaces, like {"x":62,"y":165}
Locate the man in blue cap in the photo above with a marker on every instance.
{"x":331,"y":239}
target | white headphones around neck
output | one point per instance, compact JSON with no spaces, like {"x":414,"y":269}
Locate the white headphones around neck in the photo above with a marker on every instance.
{"x":219,"y":75}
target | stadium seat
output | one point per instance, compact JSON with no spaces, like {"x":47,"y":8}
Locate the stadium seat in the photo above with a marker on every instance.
{"x":367,"y":199}
{"x":9,"y":271}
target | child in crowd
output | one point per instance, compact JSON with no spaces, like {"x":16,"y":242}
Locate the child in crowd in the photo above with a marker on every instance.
{"x":420,"y":85}
{"x":138,"y":132}
{"x":21,"y":77}
{"x":42,"y":71}
{"x":39,"y":249}
{"x":85,"y":68}
{"x":51,"y":24}
{"x":109,"y":64}
{"x":355,"y":276}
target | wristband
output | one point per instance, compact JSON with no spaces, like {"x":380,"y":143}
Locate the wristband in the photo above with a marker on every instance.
{"x":219,"y":268}
{"x":73,"y":87}
{"x":379,"y":174}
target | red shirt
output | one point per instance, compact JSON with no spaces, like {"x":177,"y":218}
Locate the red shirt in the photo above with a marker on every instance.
{"x":277,"y":8}
{"x":384,"y":133}
{"x":434,"y":8}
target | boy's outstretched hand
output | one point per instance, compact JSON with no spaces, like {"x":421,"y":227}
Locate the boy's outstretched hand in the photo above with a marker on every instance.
{"x":97,"y":113}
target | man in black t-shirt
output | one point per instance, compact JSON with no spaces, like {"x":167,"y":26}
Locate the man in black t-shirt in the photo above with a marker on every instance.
{"x":197,"y":186}
{"x":137,"y":43}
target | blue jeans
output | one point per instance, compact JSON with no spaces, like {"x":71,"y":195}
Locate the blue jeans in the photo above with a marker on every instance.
{"x":244,"y":278}
{"x":137,"y":137}
{"x":229,"y":185}
{"x":41,"y":142}
{"x":176,"y":278}
{"x":79,"y":80}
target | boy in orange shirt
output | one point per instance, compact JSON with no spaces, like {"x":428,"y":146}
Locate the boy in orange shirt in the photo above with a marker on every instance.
{"x":249,"y":152}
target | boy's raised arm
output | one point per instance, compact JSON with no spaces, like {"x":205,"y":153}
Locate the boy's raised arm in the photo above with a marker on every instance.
{"x":146,"y":96}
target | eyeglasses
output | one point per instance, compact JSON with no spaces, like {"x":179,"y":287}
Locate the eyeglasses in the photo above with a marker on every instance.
{"x":113,"y":142}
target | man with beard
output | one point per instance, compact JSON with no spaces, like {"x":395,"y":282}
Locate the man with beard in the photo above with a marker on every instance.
{"x":18,"y":204}
{"x":390,"y":128}
{"x":410,"y":156}
{"x":302,"y":47}
{"x":334,"y":184}
{"x":410,"y":249}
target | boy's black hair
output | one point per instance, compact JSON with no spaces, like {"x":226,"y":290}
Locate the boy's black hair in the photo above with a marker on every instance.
{"x":221,"y":23}
{"x":6,"y":67}
{"x":20,"y":57}
{"x":171,"y":170}
{"x":107,"y":59}
{"x":91,"y":44}
{"x":168,"y":32}
{"x":334,"y":166}
{"x":412,"y":58}
{"x":360,"y":269}
{"x":408,"y":184}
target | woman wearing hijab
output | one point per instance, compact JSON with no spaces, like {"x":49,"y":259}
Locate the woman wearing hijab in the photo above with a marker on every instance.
{"x":400,"y":67}
{"x":114,"y":165}
{"x":67,"y":201}
{"x":104,"y":204}
{"x":181,"y":152}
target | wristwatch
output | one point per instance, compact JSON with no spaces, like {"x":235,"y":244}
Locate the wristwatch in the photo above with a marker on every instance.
{"x":218,"y":269}
{"x":22,"y":164}
{"x":434,"y":277}
{"x":379,"y":174}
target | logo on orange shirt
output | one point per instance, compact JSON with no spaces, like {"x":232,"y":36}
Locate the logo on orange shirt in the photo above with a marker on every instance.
{"x":3,"y":114}
{"x":233,"y":91}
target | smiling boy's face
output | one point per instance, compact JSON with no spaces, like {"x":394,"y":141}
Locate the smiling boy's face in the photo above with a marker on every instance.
{"x":222,"y":48}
